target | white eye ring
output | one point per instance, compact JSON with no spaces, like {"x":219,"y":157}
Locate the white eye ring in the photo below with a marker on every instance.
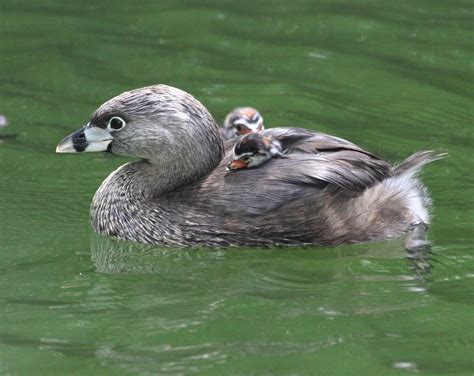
{"x":116,"y":123}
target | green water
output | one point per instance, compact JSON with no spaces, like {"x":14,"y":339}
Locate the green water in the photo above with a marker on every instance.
{"x":393,"y":77}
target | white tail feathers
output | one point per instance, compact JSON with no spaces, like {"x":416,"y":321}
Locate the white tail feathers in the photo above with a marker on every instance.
{"x":411,"y":190}
{"x":404,"y":188}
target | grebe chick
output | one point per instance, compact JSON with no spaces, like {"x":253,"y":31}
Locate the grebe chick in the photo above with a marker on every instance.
{"x":254,"y":149}
{"x":242,"y":121}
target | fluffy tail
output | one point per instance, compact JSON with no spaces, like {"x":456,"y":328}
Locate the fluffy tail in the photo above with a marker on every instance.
{"x":414,"y":163}
{"x":410,"y":191}
{"x":391,"y":207}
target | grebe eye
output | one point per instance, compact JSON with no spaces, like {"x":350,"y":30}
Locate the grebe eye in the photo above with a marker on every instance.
{"x":239,"y":128}
{"x":116,"y":123}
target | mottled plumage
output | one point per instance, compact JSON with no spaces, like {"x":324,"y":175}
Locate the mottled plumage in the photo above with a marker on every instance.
{"x":241,"y":121}
{"x":326,"y":191}
{"x":254,"y":149}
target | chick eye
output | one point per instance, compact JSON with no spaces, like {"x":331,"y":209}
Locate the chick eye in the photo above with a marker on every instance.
{"x":239,"y":128}
{"x":116,"y":123}
{"x":246,"y":158}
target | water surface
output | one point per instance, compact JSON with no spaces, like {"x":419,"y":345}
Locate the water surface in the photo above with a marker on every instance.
{"x":393,"y":77}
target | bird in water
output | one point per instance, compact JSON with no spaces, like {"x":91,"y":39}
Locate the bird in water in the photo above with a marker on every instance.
{"x":325,"y":191}
{"x":254,"y":149}
{"x":242,"y":121}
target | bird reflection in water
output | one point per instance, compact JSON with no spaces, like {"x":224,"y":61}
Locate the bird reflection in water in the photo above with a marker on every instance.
{"x":111,"y":255}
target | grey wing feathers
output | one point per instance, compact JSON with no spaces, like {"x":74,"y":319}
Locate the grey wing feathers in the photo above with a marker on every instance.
{"x":314,"y":158}
{"x":313,"y":161}
{"x":342,"y":168}
{"x":306,"y":141}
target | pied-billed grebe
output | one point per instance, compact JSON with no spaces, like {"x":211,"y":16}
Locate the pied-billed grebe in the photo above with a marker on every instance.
{"x":241,"y":121}
{"x":326,"y":191}
{"x":254,"y":149}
